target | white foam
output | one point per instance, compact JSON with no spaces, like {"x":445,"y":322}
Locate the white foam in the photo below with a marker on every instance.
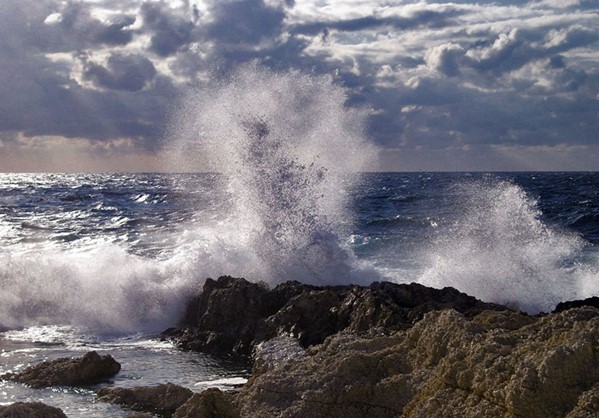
{"x":500,"y":251}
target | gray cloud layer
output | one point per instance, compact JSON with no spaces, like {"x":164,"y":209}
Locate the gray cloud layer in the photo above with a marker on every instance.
{"x":476,"y":83}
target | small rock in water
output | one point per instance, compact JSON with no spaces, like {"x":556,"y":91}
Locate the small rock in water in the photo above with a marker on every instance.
{"x":87,"y":370}
{"x":162,"y":399}
{"x":30,"y":410}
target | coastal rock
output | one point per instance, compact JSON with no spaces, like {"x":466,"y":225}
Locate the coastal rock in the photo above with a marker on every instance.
{"x":90,"y":369}
{"x":232,"y":315}
{"x":275,"y":352}
{"x":562,"y":306}
{"x":162,"y":399}
{"x":211,"y":403}
{"x":496,"y":364}
{"x":30,"y":410}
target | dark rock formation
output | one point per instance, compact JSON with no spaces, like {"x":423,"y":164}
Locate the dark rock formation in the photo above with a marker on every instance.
{"x":496,"y":364}
{"x":162,"y":399}
{"x":87,"y":370}
{"x":30,"y":410}
{"x":562,"y":306}
{"x":232,"y":315}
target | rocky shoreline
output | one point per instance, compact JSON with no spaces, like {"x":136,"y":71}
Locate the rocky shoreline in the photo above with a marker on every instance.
{"x":385,"y":350}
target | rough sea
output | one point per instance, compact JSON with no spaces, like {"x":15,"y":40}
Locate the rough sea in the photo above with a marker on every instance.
{"x":107,"y":261}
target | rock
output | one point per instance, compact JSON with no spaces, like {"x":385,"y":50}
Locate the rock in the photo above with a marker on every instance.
{"x":275,"y":352}
{"x":496,"y":364}
{"x":30,"y":410}
{"x":211,"y":403}
{"x":587,"y":406}
{"x":227,"y":312}
{"x":87,"y":370}
{"x":562,"y":306}
{"x":231,"y":316}
{"x":162,"y":399}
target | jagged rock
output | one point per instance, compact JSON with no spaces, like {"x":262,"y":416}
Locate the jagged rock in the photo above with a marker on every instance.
{"x":30,"y":410}
{"x":232,"y":315}
{"x":587,"y":406}
{"x":162,"y":399}
{"x":211,"y":403}
{"x":275,"y":352}
{"x":562,"y":306}
{"x":87,"y":370}
{"x":497,"y":364}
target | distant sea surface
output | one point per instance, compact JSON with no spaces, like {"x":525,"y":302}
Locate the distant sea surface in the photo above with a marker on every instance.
{"x":106,"y":261}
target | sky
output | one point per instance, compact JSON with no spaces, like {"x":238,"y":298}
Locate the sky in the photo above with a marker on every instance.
{"x":88,"y":86}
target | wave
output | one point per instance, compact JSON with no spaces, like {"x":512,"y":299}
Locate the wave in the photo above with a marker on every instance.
{"x":500,"y":250}
{"x":288,"y":149}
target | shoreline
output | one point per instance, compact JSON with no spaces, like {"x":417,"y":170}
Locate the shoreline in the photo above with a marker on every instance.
{"x":382,"y":350}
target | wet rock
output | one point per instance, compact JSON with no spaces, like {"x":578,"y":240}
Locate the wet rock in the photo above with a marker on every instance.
{"x":232,"y":315}
{"x":30,"y":410}
{"x":562,"y":306}
{"x":162,"y":399}
{"x":447,"y":364}
{"x":90,"y":369}
{"x":224,"y":317}
{"x":211,"y":403}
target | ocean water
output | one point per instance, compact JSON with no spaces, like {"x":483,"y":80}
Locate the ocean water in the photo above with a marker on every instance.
{"x":107,"y":261}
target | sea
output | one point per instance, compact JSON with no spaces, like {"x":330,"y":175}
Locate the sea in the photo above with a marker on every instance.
{"x":105,"y":261}
{"x":282,"y":191}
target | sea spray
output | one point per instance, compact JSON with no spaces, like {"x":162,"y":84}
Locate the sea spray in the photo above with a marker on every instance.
{"x":289,"y":150}
{"x":286,"y":149}
{"x":103,"y":288}
{"x":500,"y":250}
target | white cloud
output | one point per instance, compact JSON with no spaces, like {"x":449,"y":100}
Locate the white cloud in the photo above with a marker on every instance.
{"x":461,"y":76}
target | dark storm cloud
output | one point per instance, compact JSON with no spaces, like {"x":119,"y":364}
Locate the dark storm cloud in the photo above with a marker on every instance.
{"x":426,"y":18}
{"x":70,"y":26}
{"x":171,"y":29}
{"x":244,"y":21}
{"x":122,"y":72}
{"x":41,"y":98}
{"x":77,"y":23}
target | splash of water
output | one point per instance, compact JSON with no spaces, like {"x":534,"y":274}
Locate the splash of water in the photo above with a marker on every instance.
{"x":289,"y":150}
{"x":500,"y":251}
{"x":103,"y":288}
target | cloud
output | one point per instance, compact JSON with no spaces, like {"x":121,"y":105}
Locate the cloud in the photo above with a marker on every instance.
{"x":244,"y":21}
{"x":461,"y":76}
{"x":122,"y":72}
{"x":171,"y":28}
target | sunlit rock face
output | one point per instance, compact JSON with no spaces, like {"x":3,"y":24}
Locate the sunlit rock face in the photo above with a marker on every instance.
{"x":497,"y":364}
